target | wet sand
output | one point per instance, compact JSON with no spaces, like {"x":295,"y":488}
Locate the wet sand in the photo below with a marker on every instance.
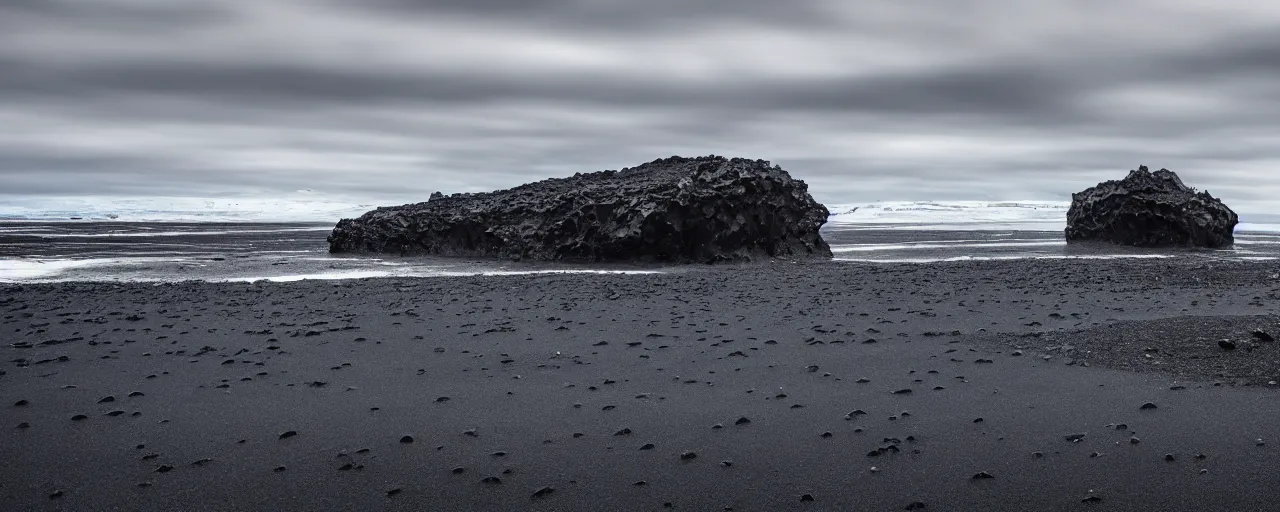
{"x":823,"y":386}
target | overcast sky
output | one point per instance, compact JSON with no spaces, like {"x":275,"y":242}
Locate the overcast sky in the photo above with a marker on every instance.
{"x":866,"y":100}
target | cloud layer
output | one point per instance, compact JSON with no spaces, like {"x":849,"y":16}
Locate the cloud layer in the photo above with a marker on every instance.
{"x":873,"y":100}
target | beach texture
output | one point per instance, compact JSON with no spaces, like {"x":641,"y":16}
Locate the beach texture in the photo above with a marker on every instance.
{"x":774,"y":386}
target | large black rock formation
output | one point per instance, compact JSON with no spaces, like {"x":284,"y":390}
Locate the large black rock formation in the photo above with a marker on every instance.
{"x":706,"y":209}
{"x":1149,"y":209}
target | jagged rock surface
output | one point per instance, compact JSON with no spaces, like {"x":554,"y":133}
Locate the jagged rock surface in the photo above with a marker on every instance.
{"x":1149,"y":209}
{"x":706,"y":209}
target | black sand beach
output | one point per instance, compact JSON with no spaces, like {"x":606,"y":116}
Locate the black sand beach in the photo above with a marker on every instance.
{"x":779,"y":386}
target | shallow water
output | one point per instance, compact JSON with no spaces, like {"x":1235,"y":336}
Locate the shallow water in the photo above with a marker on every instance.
{"x":32,"y":251}
{"x":896,"y":245}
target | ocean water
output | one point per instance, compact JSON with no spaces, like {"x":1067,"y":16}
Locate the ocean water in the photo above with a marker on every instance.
{"x":95,"y":248}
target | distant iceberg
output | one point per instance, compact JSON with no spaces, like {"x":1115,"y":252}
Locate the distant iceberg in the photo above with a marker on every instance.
{"x":952,"y":215}
{"x":299,"y":207}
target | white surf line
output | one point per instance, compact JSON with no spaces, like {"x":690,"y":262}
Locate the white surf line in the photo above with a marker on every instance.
{"x":904,"y":246}
{"x":22,"y":270}
{"x":180,"y":233}
{"x":1004,"y":258}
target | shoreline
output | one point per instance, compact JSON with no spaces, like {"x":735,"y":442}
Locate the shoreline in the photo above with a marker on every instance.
{"x":558,"y":381}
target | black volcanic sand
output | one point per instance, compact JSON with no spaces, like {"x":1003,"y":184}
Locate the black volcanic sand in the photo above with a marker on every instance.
{"x":863,"y":387}
{"x":1228,"y":350}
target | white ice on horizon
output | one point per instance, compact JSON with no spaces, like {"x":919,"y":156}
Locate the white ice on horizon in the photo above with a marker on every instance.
{"x":307,"y":206}
{"x":958,"y":215}
{"x":297,"y":207}
{"x":978,"y":215}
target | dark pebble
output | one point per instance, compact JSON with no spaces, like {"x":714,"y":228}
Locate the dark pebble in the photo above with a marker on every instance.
{"x":286,"y":435}
{"x":1147,"y":406}
{"x":806,"y":497}
{"x":107,"y":399}
{"x":915,"y":505}
{"x":279,"y":469}
{"x":79,"y":417}
{"x":543,"y":492}
{"x":459,"y":470}
{"x":1226,"y":345}
{"x":21,"y":403}
{"x":406,"y":439}
{"x":490,"y":480}
{"x":742,"y":421}
{"x":393,"y":492}
{"x":55,"y":494}
{"x":647,"y":446}
{"x":688,"y":456}
{"x":623,"y":432}
{"x":164,"y":468}
{"x":135,"y":394}
{"x":983,"y":475}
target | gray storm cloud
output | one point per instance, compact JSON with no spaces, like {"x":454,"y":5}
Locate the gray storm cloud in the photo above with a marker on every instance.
{"x":874,"y":100}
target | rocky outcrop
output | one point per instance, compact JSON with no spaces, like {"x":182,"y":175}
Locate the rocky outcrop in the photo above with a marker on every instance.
{"x":1150,"y":209}
{"x":707,"y":209}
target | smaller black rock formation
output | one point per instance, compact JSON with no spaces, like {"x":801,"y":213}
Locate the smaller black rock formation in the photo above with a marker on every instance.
{"x":707,"y":209}
{"x":1150,"y":209}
